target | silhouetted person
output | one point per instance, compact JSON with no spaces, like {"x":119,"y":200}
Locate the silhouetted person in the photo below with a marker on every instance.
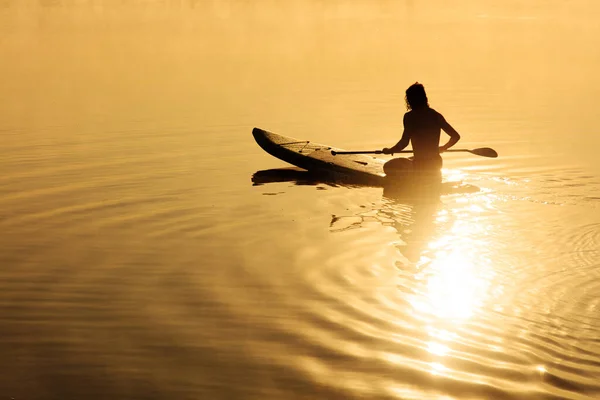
{"x":422,"y":127}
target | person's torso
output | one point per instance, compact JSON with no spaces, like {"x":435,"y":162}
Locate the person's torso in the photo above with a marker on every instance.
{"x":425,"y":126}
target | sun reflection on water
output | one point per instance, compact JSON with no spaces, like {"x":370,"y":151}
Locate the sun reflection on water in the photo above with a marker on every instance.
{"x":455,"y":285}
{"x":438,"y":368}
{"x":455,"y":278}
{"x":437,"y":348}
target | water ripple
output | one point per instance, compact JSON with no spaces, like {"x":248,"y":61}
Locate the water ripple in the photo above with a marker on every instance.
{"x":459,"y":309}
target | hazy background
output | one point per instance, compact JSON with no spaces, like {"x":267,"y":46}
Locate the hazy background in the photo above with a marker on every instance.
{"x":138,"y":261}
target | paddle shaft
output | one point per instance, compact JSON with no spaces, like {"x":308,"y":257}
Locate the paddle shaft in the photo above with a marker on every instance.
{"x":483,"y":152}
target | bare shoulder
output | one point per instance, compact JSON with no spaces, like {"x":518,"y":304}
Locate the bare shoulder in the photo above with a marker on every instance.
{"x":436,"y":112}
{"x":437,"y":115}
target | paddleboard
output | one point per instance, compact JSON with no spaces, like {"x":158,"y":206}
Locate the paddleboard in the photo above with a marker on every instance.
{"x":316,"y":157}
{"x":351,"y":168}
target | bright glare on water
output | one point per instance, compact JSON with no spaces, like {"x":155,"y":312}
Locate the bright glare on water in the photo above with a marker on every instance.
{"x":139,"y":260}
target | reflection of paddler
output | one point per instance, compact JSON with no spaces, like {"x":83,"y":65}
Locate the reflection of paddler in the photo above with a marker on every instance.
{"x":422,"y":128}
{"x":418,"y":235}
{"x":414,"y":218}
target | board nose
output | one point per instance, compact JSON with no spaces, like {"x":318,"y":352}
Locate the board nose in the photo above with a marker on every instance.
{"x":257,"y":131}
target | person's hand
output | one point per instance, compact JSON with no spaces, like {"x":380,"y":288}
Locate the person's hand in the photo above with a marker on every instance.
{"x":387,"y":150}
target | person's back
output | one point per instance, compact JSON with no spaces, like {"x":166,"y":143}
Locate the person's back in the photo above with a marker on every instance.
{"x":424,"y":125}
{"x":422,"y":128}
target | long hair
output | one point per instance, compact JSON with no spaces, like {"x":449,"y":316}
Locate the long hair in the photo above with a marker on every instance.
{"x":416,"y":97}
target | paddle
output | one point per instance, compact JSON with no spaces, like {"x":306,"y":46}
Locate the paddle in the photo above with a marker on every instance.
{"x":482,"y":151}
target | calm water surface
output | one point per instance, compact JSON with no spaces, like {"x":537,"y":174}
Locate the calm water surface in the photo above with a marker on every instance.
{"x":139,"y":261}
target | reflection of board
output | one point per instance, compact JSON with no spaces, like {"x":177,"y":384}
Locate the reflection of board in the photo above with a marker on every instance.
{"x":302,"y":177}
{"x":318,"y":158}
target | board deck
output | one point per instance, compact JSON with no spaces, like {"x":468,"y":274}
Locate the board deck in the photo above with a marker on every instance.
{"x":317,"y":157}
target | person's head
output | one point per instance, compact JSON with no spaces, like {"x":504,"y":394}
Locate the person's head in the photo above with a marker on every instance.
{"x":416,"y":97}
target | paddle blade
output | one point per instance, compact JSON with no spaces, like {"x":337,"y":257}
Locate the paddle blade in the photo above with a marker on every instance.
{"x":485,"y":152}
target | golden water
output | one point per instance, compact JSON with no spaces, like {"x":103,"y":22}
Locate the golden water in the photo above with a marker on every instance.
{"x":139,"y":261}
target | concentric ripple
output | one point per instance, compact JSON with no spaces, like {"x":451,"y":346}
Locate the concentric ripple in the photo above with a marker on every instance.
{"x":429,"y":299}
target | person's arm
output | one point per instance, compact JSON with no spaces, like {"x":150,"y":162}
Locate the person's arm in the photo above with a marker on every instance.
{"x":454,"y":136}
{"x":402,"y":144}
